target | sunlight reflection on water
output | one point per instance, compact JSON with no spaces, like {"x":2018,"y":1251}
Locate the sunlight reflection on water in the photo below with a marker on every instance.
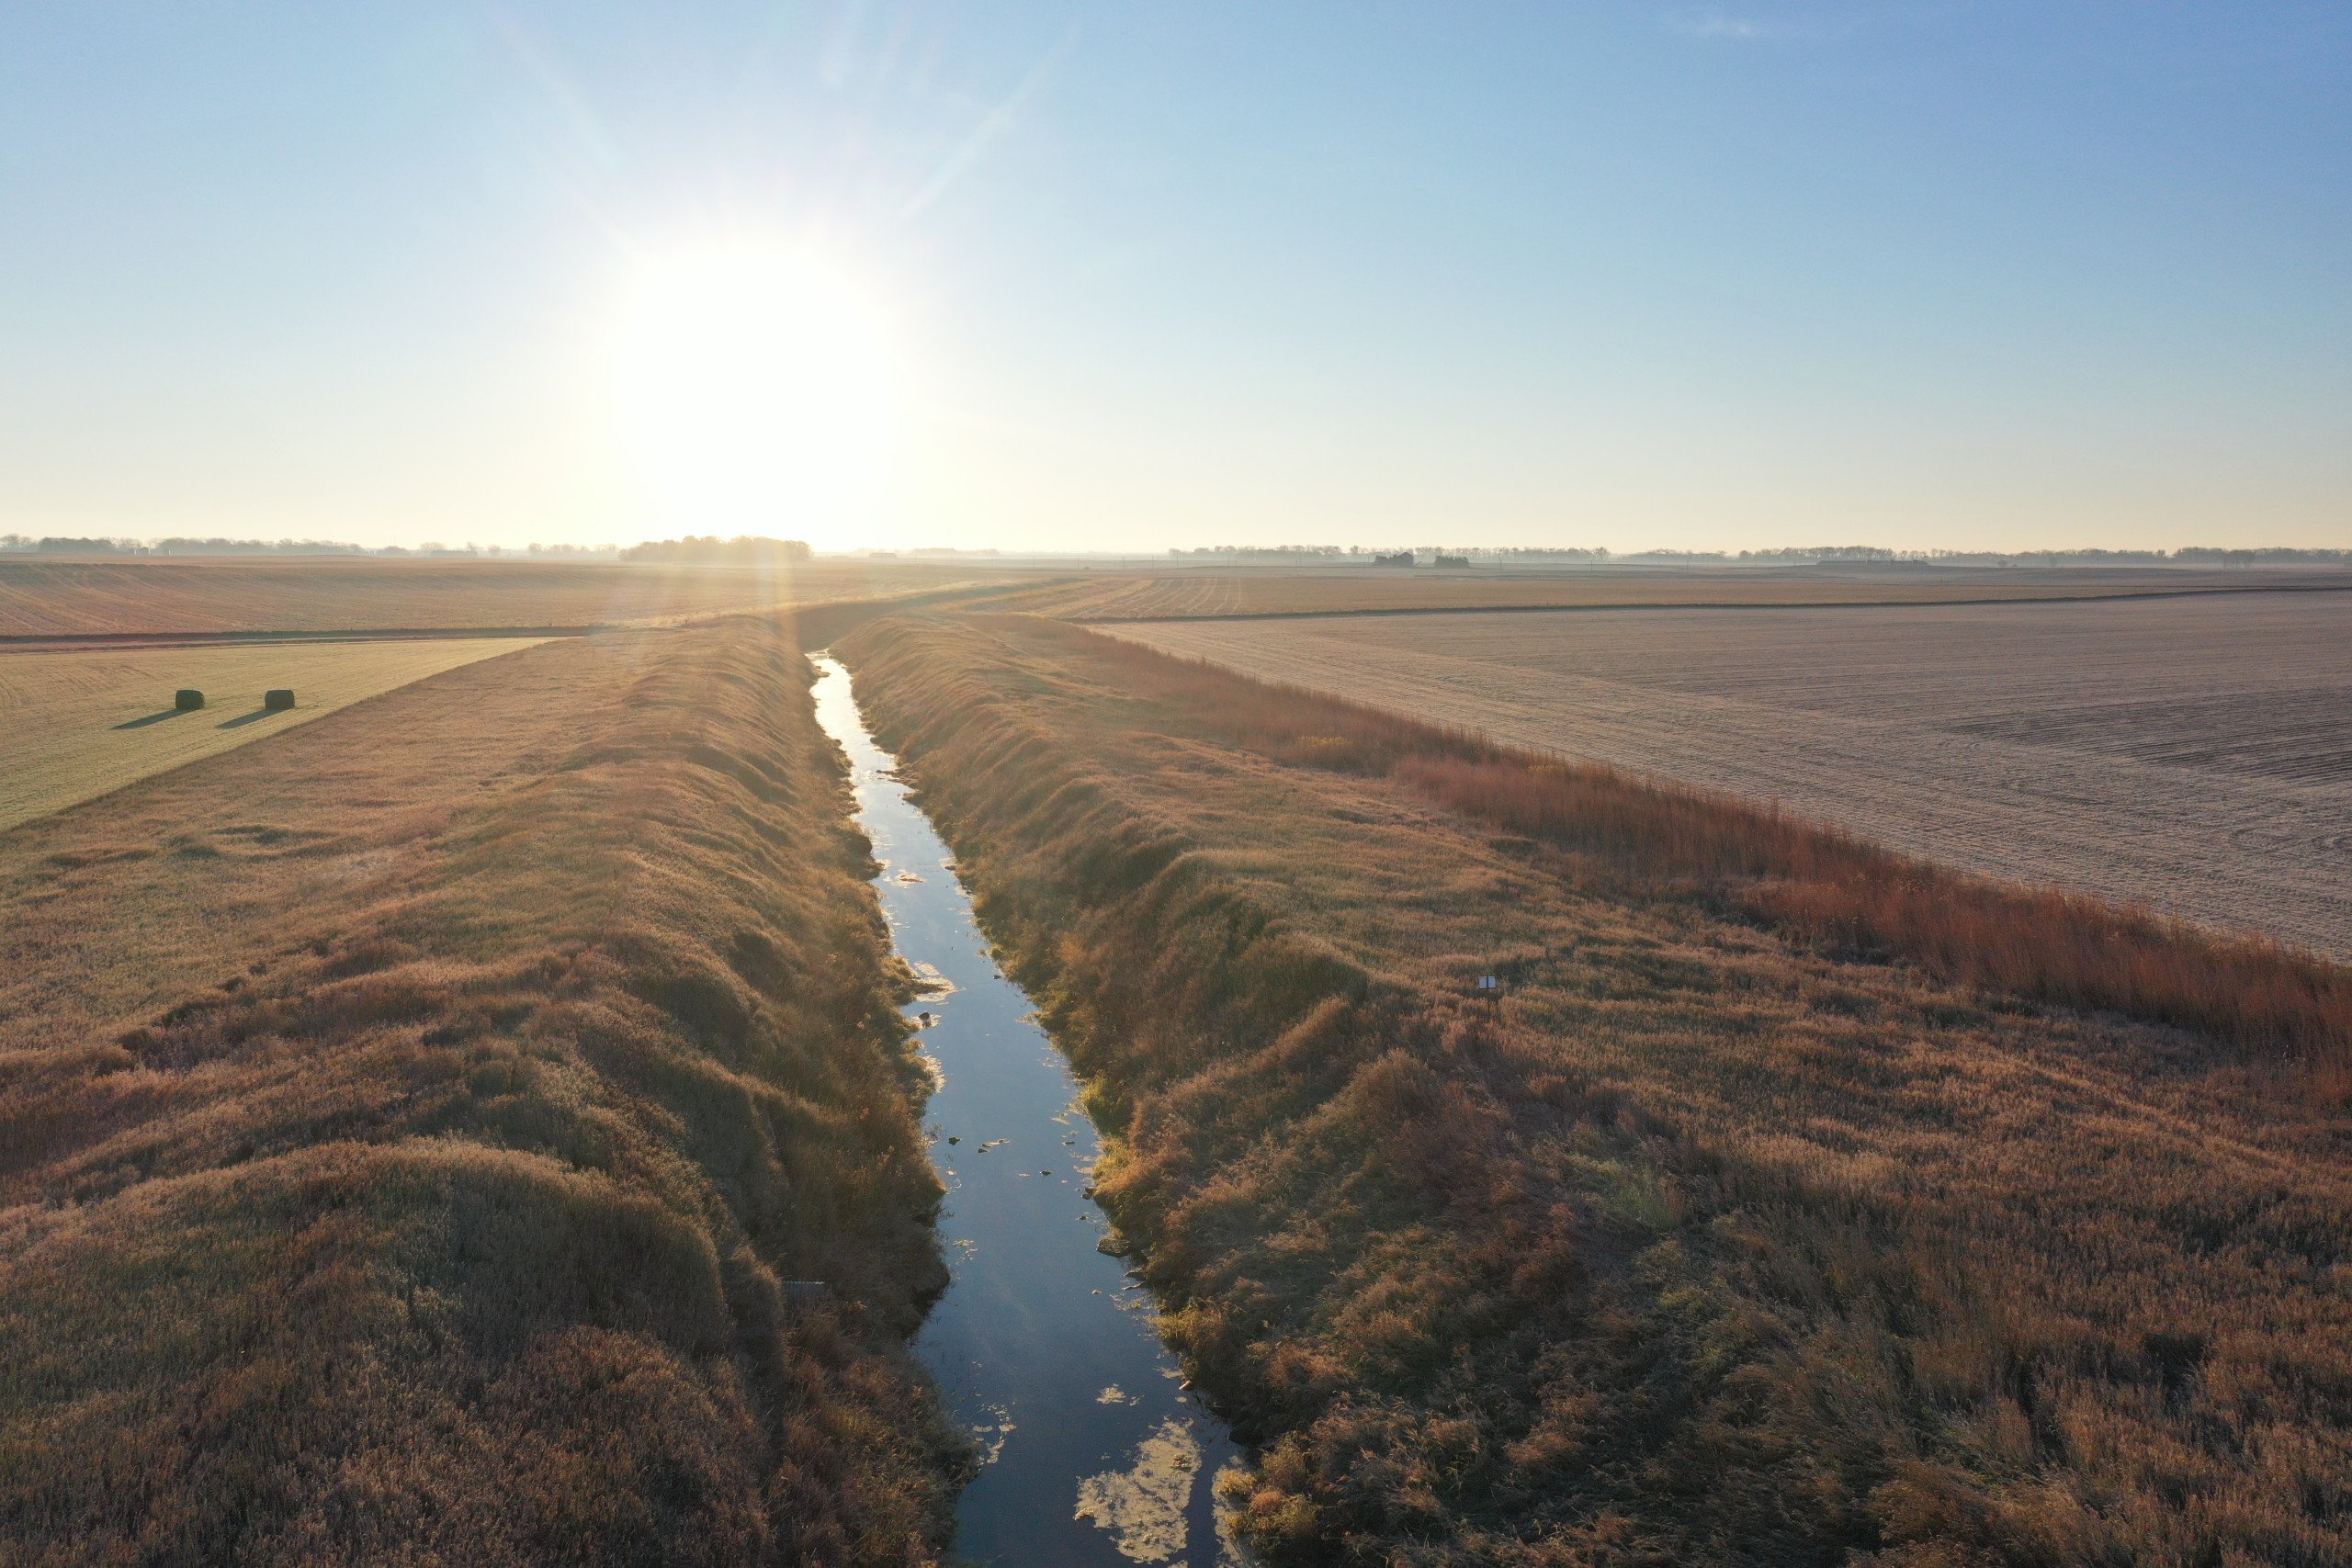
{"x":1044,"y":1347}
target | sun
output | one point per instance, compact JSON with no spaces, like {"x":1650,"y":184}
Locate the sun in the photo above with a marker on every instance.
{"x":754,"y":390}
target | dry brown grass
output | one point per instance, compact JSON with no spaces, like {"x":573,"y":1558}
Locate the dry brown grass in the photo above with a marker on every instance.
{"x":49,"y":597}
{"x":77,"y":722}
{"x":1188,"y":593}
{"x":410,"y":1122}
{"x":2193,"y":754}
{"x":1712,"y":1241}
{"x":1821,"y":885}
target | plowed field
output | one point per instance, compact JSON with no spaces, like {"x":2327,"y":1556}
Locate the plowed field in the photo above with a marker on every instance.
{"x":1185,"y":593}
{"x":2191,"y":754}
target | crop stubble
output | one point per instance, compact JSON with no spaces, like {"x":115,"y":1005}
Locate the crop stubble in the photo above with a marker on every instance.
{"x":1185,"y":593}
{"x":48,"y":596}
{"x":75,"y":723}
{"x":2193,"y":755}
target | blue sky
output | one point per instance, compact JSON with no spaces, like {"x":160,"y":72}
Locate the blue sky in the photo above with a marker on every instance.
{"x":1967,"y":274}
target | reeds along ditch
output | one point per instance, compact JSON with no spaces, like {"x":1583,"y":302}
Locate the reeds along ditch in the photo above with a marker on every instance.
{"x":2035,"y":943}
{"x":1715,"y":1243}
{"x":453,"y":1226}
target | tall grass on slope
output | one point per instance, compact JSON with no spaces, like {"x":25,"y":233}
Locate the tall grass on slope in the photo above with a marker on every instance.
{"x":452,"y":1226}
{"x":2038,"y":943}
{"x":1701,"y":1245}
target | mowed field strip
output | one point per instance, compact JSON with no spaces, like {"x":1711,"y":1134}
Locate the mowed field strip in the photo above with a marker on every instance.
{"x":76,"y":723}
{"x":2193,"y":754}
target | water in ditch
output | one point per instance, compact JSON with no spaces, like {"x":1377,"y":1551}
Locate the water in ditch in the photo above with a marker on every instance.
{"x":1094,"y":1450}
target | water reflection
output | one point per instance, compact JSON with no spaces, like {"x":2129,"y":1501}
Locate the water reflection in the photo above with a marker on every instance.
{"x":1094,"y":1452}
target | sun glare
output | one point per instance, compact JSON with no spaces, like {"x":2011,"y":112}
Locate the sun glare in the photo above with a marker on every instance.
{"x":754,"y":385}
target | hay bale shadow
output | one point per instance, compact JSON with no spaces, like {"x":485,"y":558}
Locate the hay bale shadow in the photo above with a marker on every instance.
{"x":245,"y":718}
{"x":152,"y":719}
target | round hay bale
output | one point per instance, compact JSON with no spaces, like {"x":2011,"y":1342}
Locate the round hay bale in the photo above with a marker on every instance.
{"x":277,"y":699}
{"x":187,"y":699}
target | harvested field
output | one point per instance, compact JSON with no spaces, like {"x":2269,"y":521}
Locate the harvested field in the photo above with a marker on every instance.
{"x":1181,"y":592}
{"x":2193,"y":755}
{"x":48,"y":597}
{"x":75,"y":723}
{"x":1699,"y":1244}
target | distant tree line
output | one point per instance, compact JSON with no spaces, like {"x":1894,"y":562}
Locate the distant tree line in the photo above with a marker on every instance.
{"x":1262,"y":552}
{"x":19,"y":544}
{"x":54,"y":546}
{"x":744,"y":549}
{"x":748,"y":550}
{"x":1821,"y":552}
{"x":1794,"y":554}
{"x":2192,"y":555}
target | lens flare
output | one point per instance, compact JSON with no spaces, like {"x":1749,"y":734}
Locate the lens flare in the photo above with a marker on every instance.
{"x":754,"y":385}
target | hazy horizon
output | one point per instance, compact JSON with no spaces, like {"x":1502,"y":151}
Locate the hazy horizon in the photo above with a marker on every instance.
{"x":177,"y":546}
{"x":1080,"y":278}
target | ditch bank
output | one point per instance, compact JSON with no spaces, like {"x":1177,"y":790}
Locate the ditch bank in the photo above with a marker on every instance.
{"x":1696,"y":1244}
{"x":1094,"y":1450}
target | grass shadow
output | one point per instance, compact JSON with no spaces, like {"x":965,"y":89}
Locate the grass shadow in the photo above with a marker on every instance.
{"x":245,"y":718}
{"x":152,"y":719}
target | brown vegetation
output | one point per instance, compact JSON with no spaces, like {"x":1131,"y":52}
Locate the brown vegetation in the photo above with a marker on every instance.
{"x":411,"y":1124}
{"x":1828,"y":1239}
{"x":1188,"y":593}
{"x":47,"y":597}
{"x":76,"y":721}
{"x":2189,"y":754}
{"x":1821,"y":885}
